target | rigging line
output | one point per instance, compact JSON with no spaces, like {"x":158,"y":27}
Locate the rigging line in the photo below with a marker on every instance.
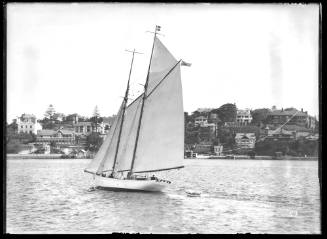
{"x":154,"y":170}
{"x":154,"y":88}
{"x":123,"y":114}
{"x":135,"y":100}
{"x":123,"y":151}
{"x":141,"y":114}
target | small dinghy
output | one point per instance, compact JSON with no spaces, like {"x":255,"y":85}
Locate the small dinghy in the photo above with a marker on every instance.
{"x":91,"y":189}
{"x":191,"y":193}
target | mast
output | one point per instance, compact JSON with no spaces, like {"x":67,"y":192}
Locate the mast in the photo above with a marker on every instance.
{"x":124,"y":108}
{"x":157,"y":28}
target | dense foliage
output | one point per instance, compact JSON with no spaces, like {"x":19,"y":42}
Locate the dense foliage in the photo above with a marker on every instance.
{"x":227,"y":112}
{"x":93,"y":141}
{"x":17,"y":142}
{"x":300,"y":147}
{"x":259,"y":115}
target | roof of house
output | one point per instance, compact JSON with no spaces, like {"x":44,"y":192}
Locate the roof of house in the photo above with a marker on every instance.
{"x":49,"y":132}
{"x":244,"y":112}
{"x":244,"y":135}
{"x":28,"y":116}
{"x":45,"y":132}
{"x":288,"y":113}
{"x":83,"y":123}
{"x":66,"y":131}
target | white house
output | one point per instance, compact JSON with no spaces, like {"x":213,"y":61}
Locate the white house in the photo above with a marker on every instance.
{"x":200,"y":120}
{"x":87,"y":128}
{"x":243,"y":117}
{"x":218,"y":149}
{"x":27,"y":123}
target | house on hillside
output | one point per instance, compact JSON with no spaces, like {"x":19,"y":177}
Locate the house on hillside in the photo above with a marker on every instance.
{"x":243,"y":117}
{"x":245,"y":140}
{"x":218,"y":150}
{"x":72,"y":118}
{"x":87,"y":128}
{"x":294,"y":130}
{"x":291,"y":117}
{"x":60,"y":137}
{"x":27,"y":123}
{"x":200,"y":120}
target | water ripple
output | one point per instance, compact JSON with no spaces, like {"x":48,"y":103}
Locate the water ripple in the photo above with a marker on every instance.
{"x":53,"y":196}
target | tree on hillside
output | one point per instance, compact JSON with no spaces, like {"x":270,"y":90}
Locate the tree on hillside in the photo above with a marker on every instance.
{"x":188,"y":118}
{"x":226,"y":137}
{"x":94,"y":141}
{"x":13,"y":126}
{"x":227,"y":112}
{"x":95,"y":118}
{"x":191,"y":135}
{"x":50,"y":112}
{"x":259,"y":115}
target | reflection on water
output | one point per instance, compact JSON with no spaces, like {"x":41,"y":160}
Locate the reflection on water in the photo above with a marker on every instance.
{"x":237,"y":196}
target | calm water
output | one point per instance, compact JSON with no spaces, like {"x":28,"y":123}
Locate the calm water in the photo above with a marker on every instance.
{"x":238,"y":196}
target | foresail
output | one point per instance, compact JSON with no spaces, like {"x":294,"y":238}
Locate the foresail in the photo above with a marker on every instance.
{"x":108,"y":162}
{"x":161,"y":140}
{"x":110,"y":139}
{"x":128,"y":135}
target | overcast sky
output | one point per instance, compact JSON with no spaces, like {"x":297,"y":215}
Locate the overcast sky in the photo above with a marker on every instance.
{"x":73,"y":55}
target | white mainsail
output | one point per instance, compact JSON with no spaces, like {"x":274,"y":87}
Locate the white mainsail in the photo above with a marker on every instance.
{"x":161,"y":63}
{"x":161,"y":140}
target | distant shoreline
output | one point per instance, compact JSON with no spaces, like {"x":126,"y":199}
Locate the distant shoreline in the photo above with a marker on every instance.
{"x":37,"y":156}
{"x":241,"y":157}
{"x":237,"y":157}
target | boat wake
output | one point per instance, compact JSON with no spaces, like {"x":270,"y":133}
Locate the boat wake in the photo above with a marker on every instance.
{"x":91,"y":189}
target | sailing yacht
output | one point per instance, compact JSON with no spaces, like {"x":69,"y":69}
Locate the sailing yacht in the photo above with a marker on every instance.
{"x":147,"y":135}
